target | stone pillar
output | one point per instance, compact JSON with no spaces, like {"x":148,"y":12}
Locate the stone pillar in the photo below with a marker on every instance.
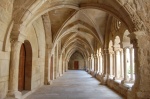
{"x":111,"y":63}
{"x":63,"y":70}
{"x":116,"y":64}
{"x":100,"y":63}
{"x":89,"y":63}
{"x":125,"y":66}
{"x":106,"y":68}
{"x":131,"y":65}
{"x":121,"y":64}
{"x":141,"y":45}
{"x":14,"y":70}
{"x":47,"y":67}
{"x":95,"y":63}
{"x":102,"y":67}
{"x":66,"y":69}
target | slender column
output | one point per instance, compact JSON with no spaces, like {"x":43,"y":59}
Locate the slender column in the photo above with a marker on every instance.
{"x":47,"y":67}
{"x":95,"y":63}
{"x":66,"y":65}
{"x":89,"y":62}
{"x":92,"y":61}
{"x":121,"y":63}
{"x":125,"y":66}
{"x":100,"y":61}
{"x":102,"y":67}
{"x":63,"y":64}
{"x":116,"y":64}
{"x":111,"y":63}
{"x":131,"y":64}
{"x":106,"y":67}
{"x":14,"y":66}
{"x":106,"y":63}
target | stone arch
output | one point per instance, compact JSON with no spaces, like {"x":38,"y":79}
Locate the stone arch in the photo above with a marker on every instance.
{"x":126,"y":14}
{"x":68,"y":43}
{"x":126,"y":39}
{"x":76,"y":61}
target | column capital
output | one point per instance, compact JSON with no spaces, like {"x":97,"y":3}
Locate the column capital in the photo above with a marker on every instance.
{"x":95,"y":56}
{"x":117,"y":49}
{"x":136,"y":36}
{"x":111,"y":52}
{"x":15,"y":45}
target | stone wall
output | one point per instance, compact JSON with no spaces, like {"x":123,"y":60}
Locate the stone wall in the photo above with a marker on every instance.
{"x":5,"y":21}
{"x":36,"y":36}
{"x":76,"y":57}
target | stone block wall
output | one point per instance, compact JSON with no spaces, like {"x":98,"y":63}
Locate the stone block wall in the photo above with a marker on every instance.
{"x":36,"y":36}
{"x":6,"y":8}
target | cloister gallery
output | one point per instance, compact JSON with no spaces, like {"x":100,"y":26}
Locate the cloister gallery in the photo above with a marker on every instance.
{"x":40,"y":40}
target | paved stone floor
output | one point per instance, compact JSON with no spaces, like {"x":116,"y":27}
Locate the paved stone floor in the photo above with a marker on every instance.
{"x":74,"y":85}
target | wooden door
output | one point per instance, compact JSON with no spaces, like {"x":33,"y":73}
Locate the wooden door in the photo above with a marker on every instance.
{"x":21,"y":76}
{"x":76,"y":65}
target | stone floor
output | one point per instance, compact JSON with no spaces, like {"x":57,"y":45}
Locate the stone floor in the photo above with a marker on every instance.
{"x":75,"y":85}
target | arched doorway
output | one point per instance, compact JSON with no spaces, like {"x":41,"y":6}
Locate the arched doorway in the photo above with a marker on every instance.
{"x":25,"y":67}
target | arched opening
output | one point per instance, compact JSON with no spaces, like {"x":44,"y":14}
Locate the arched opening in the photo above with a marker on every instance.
{"x":25,"y":67}
{"x":111,"y":62}
{"x":117,"y":58}
{"x":76,"y":62}
{"x":129,"y":75}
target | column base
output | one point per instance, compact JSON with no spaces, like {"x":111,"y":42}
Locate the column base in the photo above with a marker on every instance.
{"x":116,"y":78}
{"x":14,"y":95}
{"x":60,"y":75}
{"x":104,"y":79}
{"x":49,"y":82}
{"x":124,"y":81}
{"x":93,"y":73}
{"x":111,"y":76}
{"x":89,"y":71}
{"x":131,"y":81}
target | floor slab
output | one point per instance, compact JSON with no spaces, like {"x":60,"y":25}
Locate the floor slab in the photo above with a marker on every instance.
{"x":75,"y":84}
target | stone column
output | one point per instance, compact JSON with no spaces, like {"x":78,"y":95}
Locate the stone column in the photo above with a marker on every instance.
{"x":47,"y":67}
{"x":67,"y":65}
{"x":100,"y":62}
{"x":131,"y":65}
{"x":106,"y":68}
{"x":89,"y":63}
{"x":141,"y":45}
{"x":92,"y":63}
{"x":102,"y":67}
{"x":116,"y":64}
{"x":63,"y":64}
{"x":95,"y":63}
{"x":14,"y":70}
{"x":111,"y":63}
{"x":121,"y":63}
{"x":125,"y":66}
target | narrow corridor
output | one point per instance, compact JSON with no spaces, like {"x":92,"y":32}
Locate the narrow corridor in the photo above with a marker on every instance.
{"x":75,"y":84}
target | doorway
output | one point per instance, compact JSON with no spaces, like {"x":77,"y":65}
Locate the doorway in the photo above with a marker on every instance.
{"x":25,"y":67}
{"x":76,"y":65}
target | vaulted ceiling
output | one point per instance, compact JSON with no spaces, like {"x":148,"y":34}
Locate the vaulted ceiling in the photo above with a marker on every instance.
{"x":79,"y":29}
{"x":79,"y":25}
